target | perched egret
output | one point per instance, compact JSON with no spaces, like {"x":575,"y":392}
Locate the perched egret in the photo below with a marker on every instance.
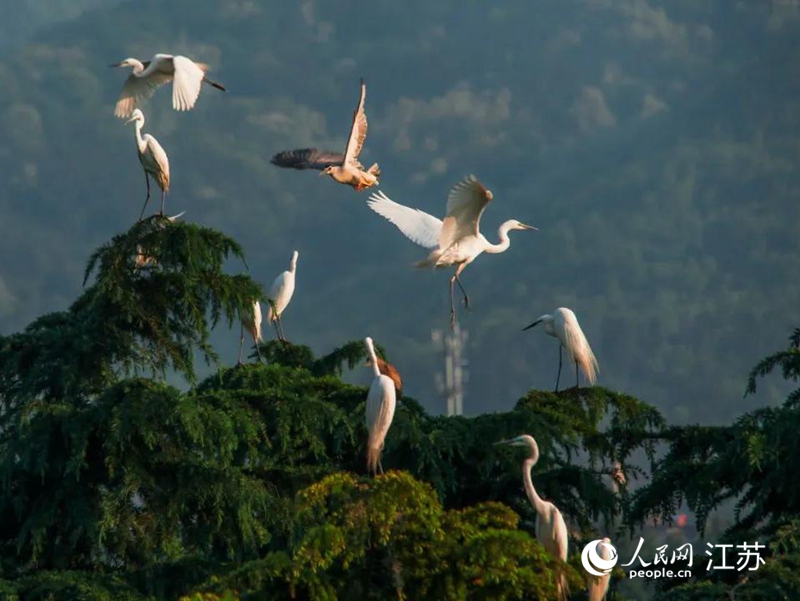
{"x":153,"y":159}
{"x":344,"y":168}
{"x":251,"y":322}
{"x":563,"y":324}
{"x":551,"y":530}
{"x":455,"y":241}
{"x":615,"y":479}
{"x":597,"y":586}
{"x":280,"y":294}
{"x":146,"y":77}
{"x":387,"y":369}
{"x":381,"y":400}
{"x":143,"y":259}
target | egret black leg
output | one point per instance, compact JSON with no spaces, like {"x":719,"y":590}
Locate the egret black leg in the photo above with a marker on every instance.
{"x":558,"y":377}
{"x":280,"y":326}
{"x":452,"y":303}
{"x":258,"y":352}
{"x":162,"y":203}
{"x":146,"y":200}
{"x":464,"y":292}
{"x":241,"y":344}
{"x":577,"y":381}
{"x":277,"y":331}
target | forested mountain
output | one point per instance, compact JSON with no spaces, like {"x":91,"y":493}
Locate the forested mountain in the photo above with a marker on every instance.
{"x":655,"y":145}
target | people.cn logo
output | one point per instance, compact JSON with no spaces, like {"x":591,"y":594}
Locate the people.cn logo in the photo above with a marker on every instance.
{"x":599,"y":557}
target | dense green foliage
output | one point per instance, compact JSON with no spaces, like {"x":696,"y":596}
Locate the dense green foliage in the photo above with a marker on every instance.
{"x":654,"y":143}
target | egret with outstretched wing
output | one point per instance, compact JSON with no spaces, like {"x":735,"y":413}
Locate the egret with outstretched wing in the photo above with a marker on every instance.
{"x":455,"y":241}
{"x":186,"y":76}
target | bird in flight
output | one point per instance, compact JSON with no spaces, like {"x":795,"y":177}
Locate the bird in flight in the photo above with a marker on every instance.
{"x":280,"y":294}
{"x":344,"y":168}
{"x":146,"y":77}
{"x":153,"y":158}
{"x":455,"y":241}
{"x":563,"y":324}
{"x":381,"y":400}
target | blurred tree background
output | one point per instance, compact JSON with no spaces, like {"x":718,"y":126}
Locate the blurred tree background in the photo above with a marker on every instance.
{"x":655,"y":145}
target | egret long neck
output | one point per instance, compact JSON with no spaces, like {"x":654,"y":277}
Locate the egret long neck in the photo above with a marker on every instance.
{"x":505,"y":241}
{"x":138,"y":67}
{"x":139,"y":139}
{"x":538,"y":503}
{"x":293,"y":264}
{"x":373,"y":359}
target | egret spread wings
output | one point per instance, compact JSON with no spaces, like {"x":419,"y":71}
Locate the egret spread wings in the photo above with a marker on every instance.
{"x":465,"y":205}
{"x":418,"y":226}
{"x":138,"y":90}
{"x":307,"y":158}
{"x":188,"y":79}
{"x":358,"y":131}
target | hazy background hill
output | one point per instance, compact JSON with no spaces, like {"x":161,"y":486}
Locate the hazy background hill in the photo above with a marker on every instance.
{"x":655,"y":145}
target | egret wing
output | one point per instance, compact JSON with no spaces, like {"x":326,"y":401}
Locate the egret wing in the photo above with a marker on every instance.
{"x":381,"y":400}
{"x":574,"y":340}
{"x":465,"y":205}
{"x":159,"y":155}
{"x":188,"y":79}
{"x":358,"y":131}
{"x":307,"y":158}
{"x":418,"y":226}
{"x":138,"y":90}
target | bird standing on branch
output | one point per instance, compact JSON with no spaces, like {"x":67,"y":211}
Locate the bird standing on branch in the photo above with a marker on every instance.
{"x":381,"y":400}
{"x":153,"y":158}
{"x":280,"y":294}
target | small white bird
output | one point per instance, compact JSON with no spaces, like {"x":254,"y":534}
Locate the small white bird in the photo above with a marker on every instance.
{"x":153,"y":158}
{"x":146,"y":77}
{"x":615,"y":479}
{"x":455,"y":241}
{"x":280,"y":294}
{"x":381,"y":401}
{"x":252,"y":323}
{"x":597,"y":586}
{"x":551,"y":529}
{"x":563,"y":324}
{"x":344,"y":168}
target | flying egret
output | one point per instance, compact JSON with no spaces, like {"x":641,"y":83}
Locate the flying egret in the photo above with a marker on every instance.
{"x":563,"y":324}
{"x":344,"y":168}
{"x":597,"y":586}
{"x":142,"y":259}
{"x":387,"y":369}
{"x":551,"y":530}
{"x":280,"y":294}
{"x":153,"y":159}
{"x":381,"y":401}
{"x":146,"y":77}
{"x":455,"y":241}
{"x":251,"y":321}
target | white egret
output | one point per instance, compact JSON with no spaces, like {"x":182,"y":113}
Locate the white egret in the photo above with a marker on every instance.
{"x":563,"y":324}
{"x":387,"y":369}
{"x":455,"y":241}
{"x":251,"y":322}
{"x":597,"y":586}
{"x":280,"y":294}
{"x":153,"y":159}
{"x":381,"y":401}
{"x":615,"y":479}
{"x":551,"y":530}
{"x":146,"y":77}
{"x":344,"y":168}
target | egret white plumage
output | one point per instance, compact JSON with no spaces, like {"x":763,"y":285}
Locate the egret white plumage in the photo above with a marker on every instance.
{"x":563,"y":324}
{"x":344,"y":168}
{"x":551,"y":529}
{"x":251,"y":322}
{"x":381,"y":400}
{"x":146,"y":77}
{"x":280,"y":294}
{"x":597,"y":586}
{"x":455,"y":241}
{"x":153,"y":158}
